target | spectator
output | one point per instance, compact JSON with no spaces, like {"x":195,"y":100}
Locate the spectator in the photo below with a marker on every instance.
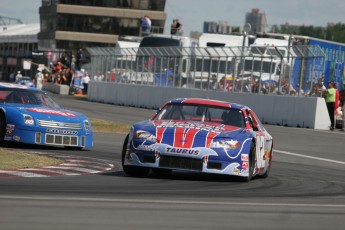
{"x":178,"y":27}
{"x":337,"y":96}
{"x":18,"y":76}
{"x":255,"y":86}
{"x":80,"y":57}
{"x":299,"y":91}
{"x":265,"y":88}
{"x":221,"y":84}
{"x":315,"y":92}
{"x":336,"y":102}
{"x":39,"y":77}
{"x":99,"y":76}
{"x":330,"y":100}
{"x":173,"y":27}
{"x":85,"y":81}
{"x":213,"y":82}
{"x":145,"y":23}
{"x":73,"y":66}
{"x":342,"y":103}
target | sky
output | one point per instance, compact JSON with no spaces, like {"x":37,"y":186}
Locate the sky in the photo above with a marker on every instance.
{"x":192,"y":13}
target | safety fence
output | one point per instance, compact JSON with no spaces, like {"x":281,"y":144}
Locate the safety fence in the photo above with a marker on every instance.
{"x":295,"y":70}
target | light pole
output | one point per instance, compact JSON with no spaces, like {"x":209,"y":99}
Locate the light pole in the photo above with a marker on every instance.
{"x":246,"y":29}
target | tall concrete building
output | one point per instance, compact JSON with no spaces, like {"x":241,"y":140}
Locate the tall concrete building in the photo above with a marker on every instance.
{"x":257,"y":20}
{"x":75,"y":24}
{"x":220,"y":27}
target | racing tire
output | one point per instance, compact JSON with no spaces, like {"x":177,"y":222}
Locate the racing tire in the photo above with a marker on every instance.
{"x":265,"y":175}
{"x":2,"y":128}
{"x":251,"y":164}
{"x":131,"y":170}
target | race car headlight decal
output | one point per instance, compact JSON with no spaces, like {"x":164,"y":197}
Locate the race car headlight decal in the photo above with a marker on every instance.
{"x":87,"y":125}
{"x":232,"y":144}
{"x":143,"y":135}
{"x":28,"y":120}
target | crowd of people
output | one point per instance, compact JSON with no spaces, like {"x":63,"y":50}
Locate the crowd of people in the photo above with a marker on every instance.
{"x":253,"y":85}
{"x":176,"y":28}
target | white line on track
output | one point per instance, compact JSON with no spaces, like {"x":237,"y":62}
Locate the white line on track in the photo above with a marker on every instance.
{"x":118,"y":200}
{"x":309,"y":157}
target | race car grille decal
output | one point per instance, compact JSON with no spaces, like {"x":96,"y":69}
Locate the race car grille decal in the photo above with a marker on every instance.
{"x":61,"y":125}
{"x":180,"y":163}
{"x":61,"y":140}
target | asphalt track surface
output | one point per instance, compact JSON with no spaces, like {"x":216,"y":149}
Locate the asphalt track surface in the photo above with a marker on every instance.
{"x":305,"y":189}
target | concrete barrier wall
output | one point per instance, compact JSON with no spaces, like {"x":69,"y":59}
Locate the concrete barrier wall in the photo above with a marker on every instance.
{"x":304,"y":112}
{"x":56,"y":88}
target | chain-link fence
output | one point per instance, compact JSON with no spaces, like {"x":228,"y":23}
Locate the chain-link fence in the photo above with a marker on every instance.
{"x":296,"y":70}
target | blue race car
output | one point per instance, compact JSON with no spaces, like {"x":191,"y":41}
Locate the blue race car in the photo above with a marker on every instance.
{"x":199,"y":135}
{"x":29,"y":115}
{"x":25,"y":80}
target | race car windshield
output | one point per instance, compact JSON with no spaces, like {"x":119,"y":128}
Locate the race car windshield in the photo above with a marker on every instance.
{"x":203,"y":113}
{"x":30,"y":97}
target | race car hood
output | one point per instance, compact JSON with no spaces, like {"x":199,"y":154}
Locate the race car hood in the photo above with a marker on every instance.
{"x":188,"y":133}
{"x":51,"y":113}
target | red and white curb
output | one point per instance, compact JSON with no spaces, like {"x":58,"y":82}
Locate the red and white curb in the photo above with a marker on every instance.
{"x":72,"y":166}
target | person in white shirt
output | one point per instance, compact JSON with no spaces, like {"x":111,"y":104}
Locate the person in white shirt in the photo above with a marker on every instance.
{"x":85,"y":81}
{"x":18,"y":76}
{"x":98,"y":77}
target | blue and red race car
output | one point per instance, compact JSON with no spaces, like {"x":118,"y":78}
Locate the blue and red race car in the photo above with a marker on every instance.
{"x":29,"y":115}
{"x":199,"y":135}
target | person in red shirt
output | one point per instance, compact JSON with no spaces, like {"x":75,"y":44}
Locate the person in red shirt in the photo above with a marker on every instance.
{"x":342,"y":104}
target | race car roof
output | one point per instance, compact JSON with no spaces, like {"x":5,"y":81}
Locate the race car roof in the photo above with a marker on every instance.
{"x":4,"y":85}
{"x":201,"y":101}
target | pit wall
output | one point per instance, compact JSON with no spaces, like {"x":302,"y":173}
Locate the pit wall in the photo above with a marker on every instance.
{"x":303,"y":112}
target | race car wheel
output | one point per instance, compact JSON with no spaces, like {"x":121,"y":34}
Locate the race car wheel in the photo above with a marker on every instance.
{"x":2,"y":128}
{"x":129,"y":169}
{"x":268,"y":167}
{"x":251,"y":163}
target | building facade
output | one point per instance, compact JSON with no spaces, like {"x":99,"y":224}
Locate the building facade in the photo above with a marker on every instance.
{"x":221,"y":27}
{"x":18,"y":42}
{"x":257,"y":20}
{"x":75,"y":24}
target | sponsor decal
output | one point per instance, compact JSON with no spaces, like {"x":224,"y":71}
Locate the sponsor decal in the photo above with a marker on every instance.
{"x":16,"y":138}
{"x":244,"y":157}
{"x":145,"y":148}
{"x":245,"y":165}
{"x":52,"y":112}
{"x":237,"y":171}
{"x":28,"y":120}
{"x":62,"y":131}
{"x":9,"y":132}
{"x":244,"y":172}
{"x":192,"y":125}
{"x":10,"y":127}
{"x":182,"y":151}
{"x":186,"y":133}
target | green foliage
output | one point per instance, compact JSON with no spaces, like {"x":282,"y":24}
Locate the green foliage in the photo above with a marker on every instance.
{"x":334,"y":32}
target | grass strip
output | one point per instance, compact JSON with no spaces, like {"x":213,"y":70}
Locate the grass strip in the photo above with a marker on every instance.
{"x":13,"y":159}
